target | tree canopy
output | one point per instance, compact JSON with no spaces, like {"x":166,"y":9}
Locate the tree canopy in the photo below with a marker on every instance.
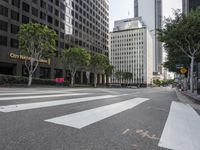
{"x":36,"y":41}
{"x":75,"y":59}
{"x":98,"y":64}
{"x":181,"y":37}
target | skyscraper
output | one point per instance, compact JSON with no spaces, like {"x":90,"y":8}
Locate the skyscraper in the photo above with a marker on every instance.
{"x":131,"y":47}
{"x":78,"y":23}
{"x":151,"y":13}
{"x":190,"y":4}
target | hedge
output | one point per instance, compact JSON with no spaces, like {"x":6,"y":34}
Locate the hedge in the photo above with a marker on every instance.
{"x":9,"y":79}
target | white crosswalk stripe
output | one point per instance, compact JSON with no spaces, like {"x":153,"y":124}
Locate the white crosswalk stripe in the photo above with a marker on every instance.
{"x":85,"y":118}
{"x":40,"y":96}
{"x":19,"y":107}
{"x":182,"y":128}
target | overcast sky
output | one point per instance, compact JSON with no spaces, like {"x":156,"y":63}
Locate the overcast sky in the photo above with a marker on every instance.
{"x":121,"y":9}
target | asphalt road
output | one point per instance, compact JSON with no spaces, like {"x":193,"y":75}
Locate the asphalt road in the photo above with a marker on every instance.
{"x":95,"y":119}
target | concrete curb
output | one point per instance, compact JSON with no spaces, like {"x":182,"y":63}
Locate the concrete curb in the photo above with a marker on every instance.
{"x":191,"y":97}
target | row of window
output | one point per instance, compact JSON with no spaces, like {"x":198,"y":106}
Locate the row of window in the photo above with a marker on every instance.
{"x":15,"y":16}
{"x":4,"y":42}
{"x":43,"y":4}
{"x":15,"y":44}
{"x":126,"y":35}
{"x":4,"y":27}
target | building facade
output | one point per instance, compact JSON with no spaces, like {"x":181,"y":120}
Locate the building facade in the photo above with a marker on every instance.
{"x":131,"y":50}
{"x":78,"y":23}
{"x":188,"y":5}
{"x":151,"y":13}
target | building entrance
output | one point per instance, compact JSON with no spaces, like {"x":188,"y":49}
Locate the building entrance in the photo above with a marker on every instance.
{"x":7,"y":69}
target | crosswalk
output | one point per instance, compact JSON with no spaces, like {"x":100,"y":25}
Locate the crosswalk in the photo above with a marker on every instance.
{"x":181,"y":130}
{"x":85,"y":118}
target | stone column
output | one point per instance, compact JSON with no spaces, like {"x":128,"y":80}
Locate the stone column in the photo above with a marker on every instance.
{"x":81,"y":77}
{"x":105,"y":78}
{"x":100,"y":78}
{"x":88,"y":77}
{"x":19,"y":69}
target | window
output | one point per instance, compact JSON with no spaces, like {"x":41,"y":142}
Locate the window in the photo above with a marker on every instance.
{"x":57,"y":2}
{"x":62,"y":6}
{"x":62,"y":25}
{"x":42,"y":15}
{"x":56,"y":12}
{"x":44,"y":73}
{"x":50,"y":19}
{"x":25,"y":19}
{"x":16,"y":3}
{"x":14,"y":15}
{"x":62,"y":45}
{"x":62,"y":15}
{"x":50,"y":8}
{"x":62,"y":35}
{"x":56,"y":22}
{"x":3,"y":40}
{"x":25,"y":7}
{"x":14,"y":43}
{"x":3,"y":25}
{"x":14,"y":29}
{"x":3,"y":11}
{"x":34,"y":12}
{"x":42,"y":4}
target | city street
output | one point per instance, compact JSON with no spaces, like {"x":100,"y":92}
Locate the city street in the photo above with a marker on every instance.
{"x":97,"y":119}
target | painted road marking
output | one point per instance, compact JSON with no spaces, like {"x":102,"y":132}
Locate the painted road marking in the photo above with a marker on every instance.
{"x":35,"y":92}
{"x":40,"y":96}
{"x":19,"y":107}
{"x":125,"y":131}
{"x":85,"y":118}
{"x":182,"y":128}
{"x":11,"y":94}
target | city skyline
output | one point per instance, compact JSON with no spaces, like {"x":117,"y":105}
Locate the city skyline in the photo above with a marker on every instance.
{"x":128,"y":6}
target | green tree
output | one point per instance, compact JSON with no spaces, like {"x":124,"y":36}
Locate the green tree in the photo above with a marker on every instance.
{"x":127,"y":76}
{"x":36,"y":41}
{"x":119,"y":76}
{"x":75,"y":59}
{"x":109,"y":69}
{"x":157,"y":82}
{"x":183,"y":33}
{"x":98,"y":64}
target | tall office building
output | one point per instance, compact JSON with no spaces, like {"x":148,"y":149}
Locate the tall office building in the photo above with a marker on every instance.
{"x":131,"y":50}
{"x":151,"y":13}
{"x":188,"y":5}
{"x":78,"y":23}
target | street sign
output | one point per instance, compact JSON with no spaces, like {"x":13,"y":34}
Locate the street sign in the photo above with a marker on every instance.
{"x":179,"y":66}
{"x":183,"y":70}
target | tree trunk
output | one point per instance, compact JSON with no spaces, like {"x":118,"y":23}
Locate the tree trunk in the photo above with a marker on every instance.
{"x":191,"y":74}
{"x":95,"y":80}
{"x":29,"y":79}
{"x":185,"y":83}
{"x":72,"y":79}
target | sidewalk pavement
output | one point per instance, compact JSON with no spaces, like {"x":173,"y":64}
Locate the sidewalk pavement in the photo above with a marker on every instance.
{"x":195,"y":97}
{"x":188,"y":99}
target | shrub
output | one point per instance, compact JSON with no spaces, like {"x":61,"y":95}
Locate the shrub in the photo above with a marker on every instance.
{"x":8,"y":79}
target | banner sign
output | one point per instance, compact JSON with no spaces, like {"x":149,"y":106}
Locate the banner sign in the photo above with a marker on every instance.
{"x":23,"y":57}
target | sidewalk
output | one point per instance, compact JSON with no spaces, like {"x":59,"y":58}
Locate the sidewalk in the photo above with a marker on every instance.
{"x":195,"y":97}
{"x":188,"y":99}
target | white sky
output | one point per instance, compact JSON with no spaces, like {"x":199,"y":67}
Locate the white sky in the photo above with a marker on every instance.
{"x":121,"y":9}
